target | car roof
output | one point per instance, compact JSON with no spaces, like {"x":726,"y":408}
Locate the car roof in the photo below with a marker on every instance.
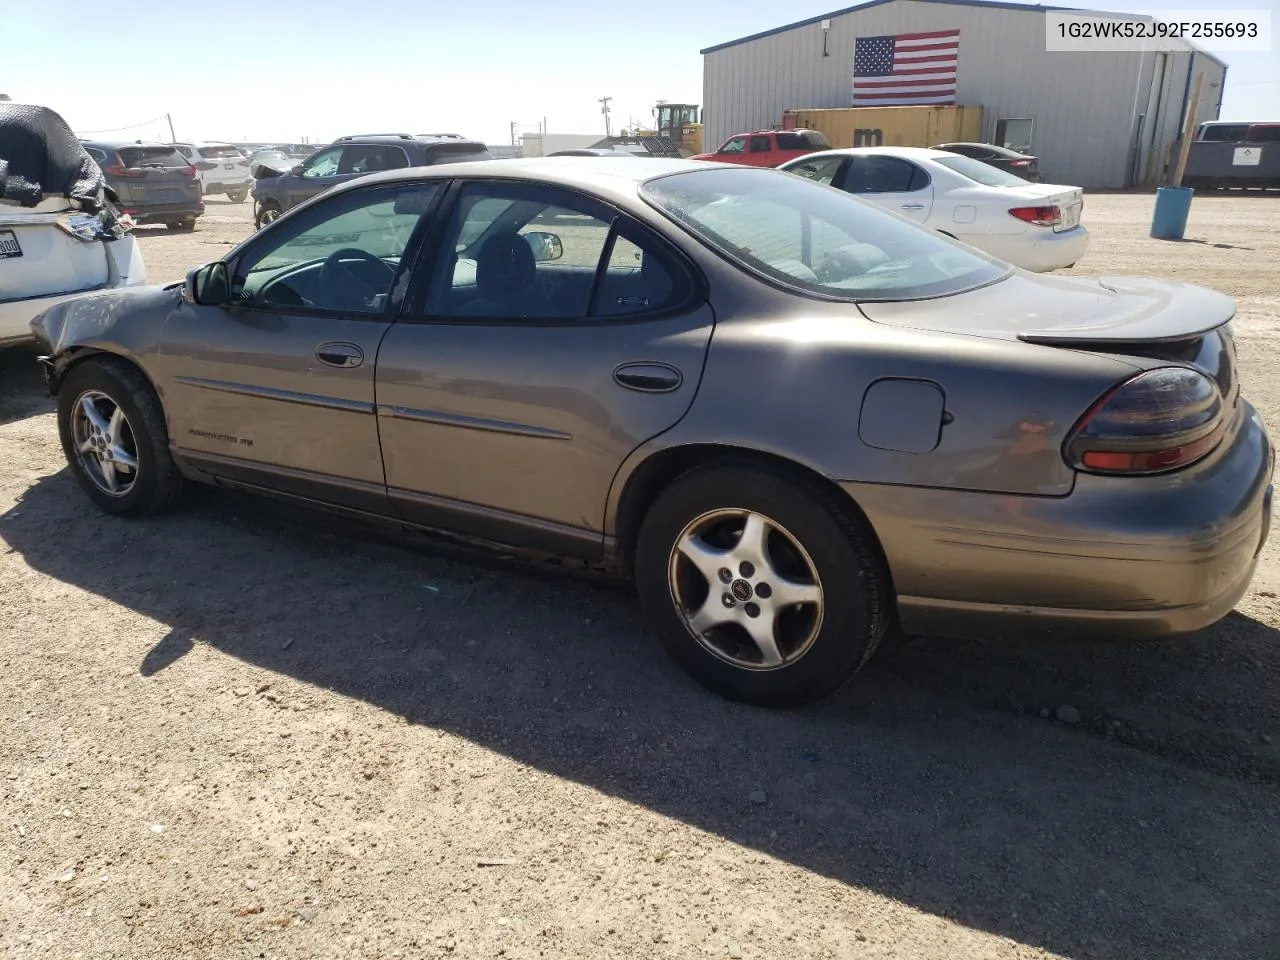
{"x":907,"y":153}
{"x":400,"y":139}
{"x":596,"y":173}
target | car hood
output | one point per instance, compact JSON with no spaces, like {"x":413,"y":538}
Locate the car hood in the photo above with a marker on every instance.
{"x":1065,"y":310}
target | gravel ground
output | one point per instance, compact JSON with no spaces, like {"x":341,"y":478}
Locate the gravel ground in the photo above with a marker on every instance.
{"x":243,"y":731}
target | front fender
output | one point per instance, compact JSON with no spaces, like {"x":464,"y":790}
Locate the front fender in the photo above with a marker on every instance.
{"x":126,"y":321}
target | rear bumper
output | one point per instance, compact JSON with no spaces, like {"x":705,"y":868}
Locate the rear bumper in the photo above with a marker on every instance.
{"x":1118,"y":558}
{"x":157,"y":212}
{"x":231,"y":183}
{"x":1039,"y":249}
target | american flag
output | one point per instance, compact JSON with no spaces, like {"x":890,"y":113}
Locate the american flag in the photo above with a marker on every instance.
{"x":906,"y":68}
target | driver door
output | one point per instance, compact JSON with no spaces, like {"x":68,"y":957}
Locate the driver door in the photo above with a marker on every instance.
{"x":276,"y":388}
{"x":319,"y":173}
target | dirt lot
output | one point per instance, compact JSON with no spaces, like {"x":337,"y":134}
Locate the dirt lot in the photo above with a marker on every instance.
{"x":241,"y":732}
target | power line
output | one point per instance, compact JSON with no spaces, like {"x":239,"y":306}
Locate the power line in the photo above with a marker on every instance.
{"x":132,"y":126}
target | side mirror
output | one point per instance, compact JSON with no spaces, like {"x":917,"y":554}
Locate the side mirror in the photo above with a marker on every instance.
{"x":545,"y":246}
{"x":297,"y":169}
{"x":208,"y":286}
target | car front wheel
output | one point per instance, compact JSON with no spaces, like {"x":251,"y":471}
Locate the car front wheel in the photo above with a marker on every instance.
{"x":114,"y":436}
{"x":269,"y":211}
{"x":765,"y":588}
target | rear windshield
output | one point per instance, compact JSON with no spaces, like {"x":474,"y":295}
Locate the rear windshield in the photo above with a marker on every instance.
{"x":803,"y":140}
{"x":980,"y":172}
{"x":221,"y":152}
{"x":158,"y":156}
{"x":816,"y":239}
{"x":1264,"y":133}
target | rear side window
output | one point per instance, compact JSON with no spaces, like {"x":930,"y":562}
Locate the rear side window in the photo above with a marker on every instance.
{"x":760,"y":145}
{"x":885,"y":175}
{"x":803,"y":140}
{"x":158,"y":156}
{"x":97,"y":154}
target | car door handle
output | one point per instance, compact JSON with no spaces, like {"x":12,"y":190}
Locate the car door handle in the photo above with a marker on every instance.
{"x":913,"y":206}
{"x":648,"y":376}
{"x":340,"y":354}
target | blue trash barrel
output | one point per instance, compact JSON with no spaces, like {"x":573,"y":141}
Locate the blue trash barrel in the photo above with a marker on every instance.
{"x":1173,"y":205}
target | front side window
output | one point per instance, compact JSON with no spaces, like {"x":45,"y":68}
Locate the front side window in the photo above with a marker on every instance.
{"x":820,"y":169}
{"x":524,"y":251}
{"x":341,"y":258}
{"x":323,"y":164}
{"x":736,"y":145}
{"x":980,"y":172}
{"x":800,"y":235}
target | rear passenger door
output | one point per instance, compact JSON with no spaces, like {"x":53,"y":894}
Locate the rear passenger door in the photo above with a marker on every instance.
{"x":900,"y":185}
{"x":761,"y":154}
{"x":555,"y":335}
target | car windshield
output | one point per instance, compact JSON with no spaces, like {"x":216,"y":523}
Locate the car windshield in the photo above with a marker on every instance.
{"x":817,"y":239}
{"x":980,"y":172}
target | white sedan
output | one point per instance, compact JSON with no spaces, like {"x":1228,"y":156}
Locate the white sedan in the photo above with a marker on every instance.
{"x":1035,"y":226}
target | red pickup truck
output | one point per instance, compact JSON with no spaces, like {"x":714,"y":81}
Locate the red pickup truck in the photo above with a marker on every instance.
{"x":767,"y":148}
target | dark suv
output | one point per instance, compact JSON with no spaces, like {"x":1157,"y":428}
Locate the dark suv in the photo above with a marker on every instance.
{"x":155,"y":183}
{"x":350,"y":157}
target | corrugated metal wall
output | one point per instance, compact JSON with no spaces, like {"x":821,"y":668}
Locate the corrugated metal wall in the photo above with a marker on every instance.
{"x":1084,"y":104}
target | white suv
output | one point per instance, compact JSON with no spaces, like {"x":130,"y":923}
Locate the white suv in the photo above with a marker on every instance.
{"x":59,"y":234}
{"x":222,"y":168}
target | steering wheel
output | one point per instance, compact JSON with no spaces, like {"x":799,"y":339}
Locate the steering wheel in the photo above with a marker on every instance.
{"x":340,"y":287}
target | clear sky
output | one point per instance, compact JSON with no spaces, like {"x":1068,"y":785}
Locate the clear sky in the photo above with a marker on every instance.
{"x":286,"y":69}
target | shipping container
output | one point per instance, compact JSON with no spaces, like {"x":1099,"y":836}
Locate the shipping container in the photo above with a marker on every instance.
{"x":915,"y":126}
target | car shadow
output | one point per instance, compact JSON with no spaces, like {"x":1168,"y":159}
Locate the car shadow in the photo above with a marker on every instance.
{"x":1025,"y":830}
{"x":22,"y":391}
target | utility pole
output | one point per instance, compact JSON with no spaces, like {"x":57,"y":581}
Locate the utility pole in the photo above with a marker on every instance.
{"x":604,"y":108}
{"x":513,"y":133}
{"x":173,"y":138}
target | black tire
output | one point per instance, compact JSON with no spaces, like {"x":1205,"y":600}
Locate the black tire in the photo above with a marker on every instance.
{"x":267,"y":212}
{"x":856,"y":608}
{"x":237,"y":196}
{"x":158,"y":483}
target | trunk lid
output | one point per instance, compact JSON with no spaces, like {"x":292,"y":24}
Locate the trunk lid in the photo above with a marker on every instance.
{"x":38,"y":258}
{"x":1127,"y":316}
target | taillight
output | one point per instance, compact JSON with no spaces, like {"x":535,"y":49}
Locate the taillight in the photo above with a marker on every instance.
{"x":189,"y":172}
{"x":1158,"y":421}
{"x":1019,"y":163}
{"x":120,"y":170}
{"x":1040,"y":216}
{"x":206,"y":165}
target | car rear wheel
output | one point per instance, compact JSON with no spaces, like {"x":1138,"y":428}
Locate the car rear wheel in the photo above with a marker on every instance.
{"x":113,"y":433}
{"x":237,"y":196}
{"x":764,"y":588}
{"x":269,"y":211}
{"x":186,"y":223}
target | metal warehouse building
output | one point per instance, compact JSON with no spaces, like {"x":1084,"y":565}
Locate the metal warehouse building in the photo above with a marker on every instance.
{"x":1095,"y":119}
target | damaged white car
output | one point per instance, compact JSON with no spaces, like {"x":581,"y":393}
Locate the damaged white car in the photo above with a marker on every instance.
{"x":60,"y":233}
